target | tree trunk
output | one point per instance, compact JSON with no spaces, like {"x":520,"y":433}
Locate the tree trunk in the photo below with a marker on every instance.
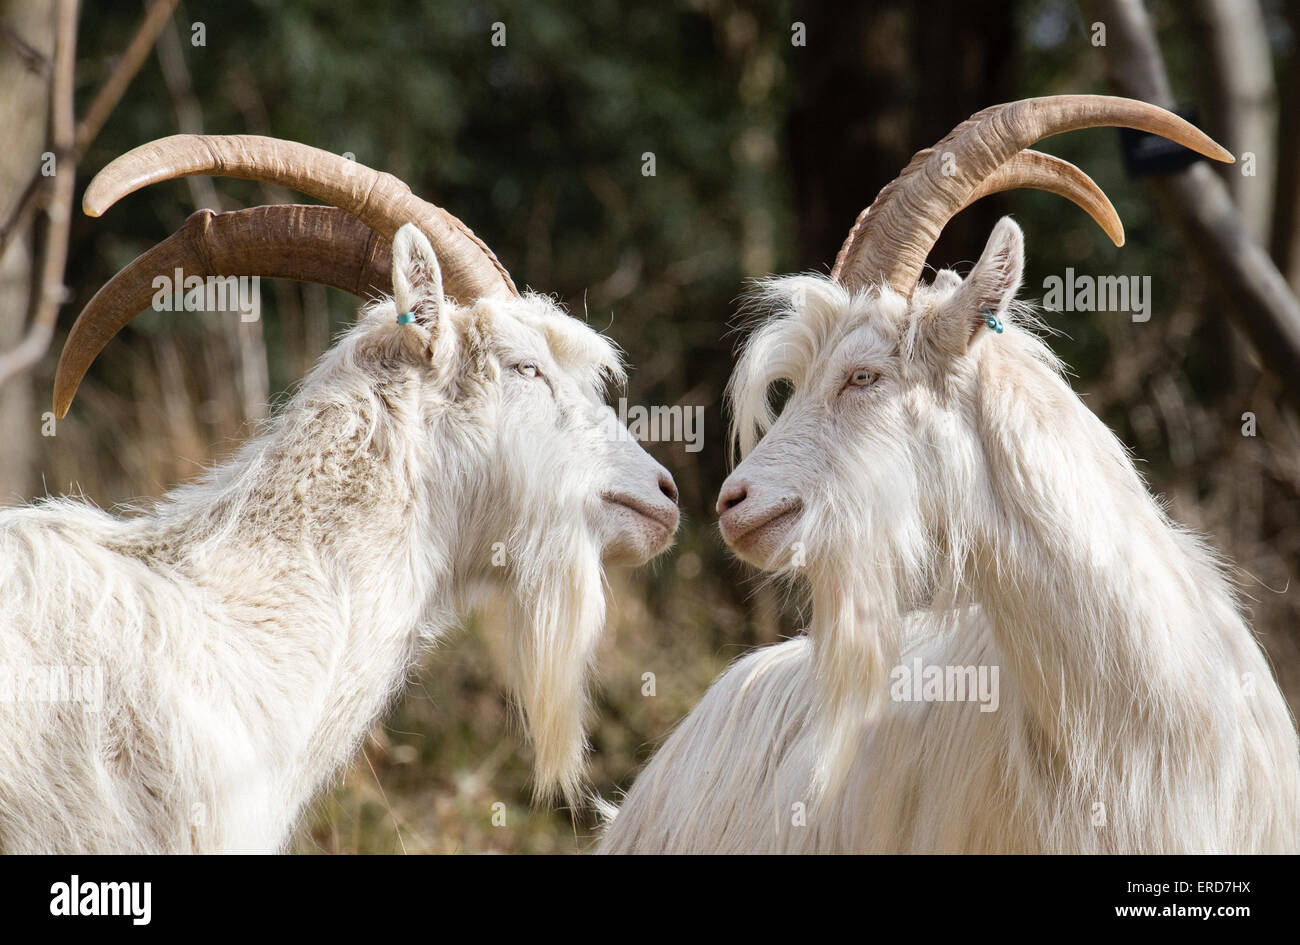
{"x":26,"y":59}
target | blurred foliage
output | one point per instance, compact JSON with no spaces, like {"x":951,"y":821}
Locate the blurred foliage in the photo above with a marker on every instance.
{"x":539,"y":145}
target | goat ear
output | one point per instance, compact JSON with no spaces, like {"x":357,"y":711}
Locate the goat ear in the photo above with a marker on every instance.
{"x":987,"y":293}
{"x":417,"y":278}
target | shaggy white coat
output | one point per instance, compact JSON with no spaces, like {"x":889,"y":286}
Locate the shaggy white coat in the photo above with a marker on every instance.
{"x":251,"y":627}
{"x":966,"y":507}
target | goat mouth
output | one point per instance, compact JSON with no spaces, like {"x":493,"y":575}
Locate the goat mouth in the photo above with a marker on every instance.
{"x":779,"y":517}
{"x":663,"y":518}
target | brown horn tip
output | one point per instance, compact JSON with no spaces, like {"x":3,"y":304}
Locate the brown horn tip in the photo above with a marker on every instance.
{"x":1037,"y":171}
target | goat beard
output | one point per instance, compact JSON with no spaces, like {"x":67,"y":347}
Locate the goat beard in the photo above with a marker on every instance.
{"x":556,"y":621}
{"x":855,"y":645}
{"x":860,"y":602}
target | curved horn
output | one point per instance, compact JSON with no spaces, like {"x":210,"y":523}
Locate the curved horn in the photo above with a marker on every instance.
{"x":891,"y":239}
{"x":325,"y":245}
{"x":1037,"y":171}
{"x":469,"y":269}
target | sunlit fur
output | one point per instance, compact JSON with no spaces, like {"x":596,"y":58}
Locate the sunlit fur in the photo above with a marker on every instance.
{"x":970,"y":509}
{"x":252,"y":626}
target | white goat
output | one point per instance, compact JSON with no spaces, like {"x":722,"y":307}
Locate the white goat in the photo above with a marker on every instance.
{"x":246,"y":632}
{"x":947,"y":498}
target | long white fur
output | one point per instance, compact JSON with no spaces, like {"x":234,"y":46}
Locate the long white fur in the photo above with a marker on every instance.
{"x":970,"y":510}
{"x":252,"y":626}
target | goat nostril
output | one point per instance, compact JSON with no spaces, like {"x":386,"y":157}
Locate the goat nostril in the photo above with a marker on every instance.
{"x":732,"y":497}
{"x":668,"y":488}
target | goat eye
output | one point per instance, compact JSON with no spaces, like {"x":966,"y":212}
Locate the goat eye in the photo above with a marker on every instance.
{"x":862,"y":378}
{"x":528,"y":368}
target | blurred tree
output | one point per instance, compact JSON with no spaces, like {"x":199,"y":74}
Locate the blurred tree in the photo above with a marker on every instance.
{"x":26,"y":61}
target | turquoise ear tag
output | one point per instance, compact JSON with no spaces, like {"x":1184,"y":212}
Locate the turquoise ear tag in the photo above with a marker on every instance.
{"x":992,"y":321}
{"x":407,"y":317}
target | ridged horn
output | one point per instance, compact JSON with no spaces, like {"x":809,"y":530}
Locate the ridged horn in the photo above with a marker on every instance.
{"x":1037,"y":171}
{"x":890,"y":240}
{"x":325,"y":245}
{"x":469,"y":269}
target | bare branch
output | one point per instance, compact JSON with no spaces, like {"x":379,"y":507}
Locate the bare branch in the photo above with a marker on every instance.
{"x":189,"y":112}
{"x":59,"y":209}
{"x":68,"y":143}
{"x":32,"y":199}
{"x":1201,"y":205}
{"x":110,"y":93}
{"x":1241,"y":100}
